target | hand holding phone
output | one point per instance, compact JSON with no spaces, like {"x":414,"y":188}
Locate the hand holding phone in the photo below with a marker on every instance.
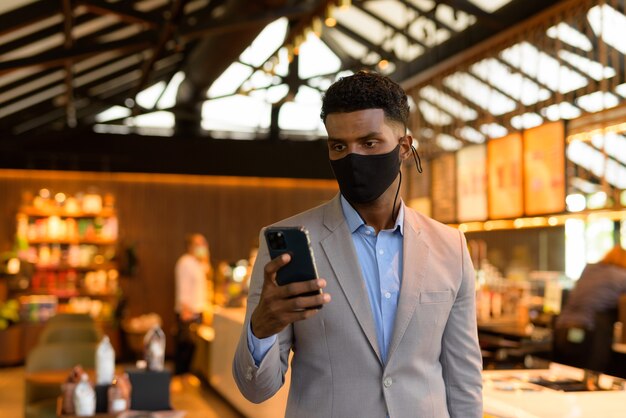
{"x":291,"y":289}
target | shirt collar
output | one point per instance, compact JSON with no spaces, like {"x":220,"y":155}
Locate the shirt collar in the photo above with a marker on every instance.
{"x":354,"y":220}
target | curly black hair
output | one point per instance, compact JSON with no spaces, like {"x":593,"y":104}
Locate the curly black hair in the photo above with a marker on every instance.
{"x":365,"y":90}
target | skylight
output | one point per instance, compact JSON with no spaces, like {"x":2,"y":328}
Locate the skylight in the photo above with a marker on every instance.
{"x":597,"y":101}
{"x":569,"y":35}
{"x":448,"y":142}
{"x":490,"y":5}
{"x":543,"y":67}
{"x":610,"y":25}
{"x":444,"y":101}
{"x":264,"y":45}
{"x":235,"y":113}
{"x":316,"y":58}
{"x":480,"y":93}
{"x":230,"y":79}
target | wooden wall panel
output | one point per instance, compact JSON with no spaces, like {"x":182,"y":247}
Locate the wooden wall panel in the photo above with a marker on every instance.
{"x":156,"y":211}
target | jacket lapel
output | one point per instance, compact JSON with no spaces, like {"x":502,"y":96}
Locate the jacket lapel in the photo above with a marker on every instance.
{"x":340,"y":251}
{"x":415,"y":256}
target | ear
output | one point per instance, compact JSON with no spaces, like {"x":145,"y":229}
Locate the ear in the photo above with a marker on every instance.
{"x":405,"y":146}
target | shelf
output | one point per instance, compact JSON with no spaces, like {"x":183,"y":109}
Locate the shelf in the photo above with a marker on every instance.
{"x":73,"y":241}
{"x":34,"y":212}
{"x":93,"y":267}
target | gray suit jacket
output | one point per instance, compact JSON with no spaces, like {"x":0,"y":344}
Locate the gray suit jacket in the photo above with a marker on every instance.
{"x":434,"y":362}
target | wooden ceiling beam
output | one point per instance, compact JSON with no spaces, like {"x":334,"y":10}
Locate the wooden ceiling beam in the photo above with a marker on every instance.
{"x":27,"y":15}
{"x":124,"y":11}
{"x":70,"y":110}
{"x":395,"y":29}
{"x":390,"y":56}
{"x":58,"y":56}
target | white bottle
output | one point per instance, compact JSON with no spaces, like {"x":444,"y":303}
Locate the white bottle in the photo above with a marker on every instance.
{"x":154,"y":348}
{"x":84,"y":398}
{"x":105,"y":362}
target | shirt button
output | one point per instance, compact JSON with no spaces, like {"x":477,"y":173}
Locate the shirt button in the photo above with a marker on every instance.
{"x":368,"y":232}
{"x":387,"y":295}
{"x":381,"y":252}
{"x":387,"y":382}
{"x":249,"y":374}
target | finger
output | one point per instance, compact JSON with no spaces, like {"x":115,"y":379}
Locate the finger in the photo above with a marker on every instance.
{"x":298,"y":288}
{"x":307,"y":302}
{"x":300,"y":315}
{"x":273,"y":266}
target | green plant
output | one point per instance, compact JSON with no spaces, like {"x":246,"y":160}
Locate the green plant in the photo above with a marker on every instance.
{"x":9,"y":313}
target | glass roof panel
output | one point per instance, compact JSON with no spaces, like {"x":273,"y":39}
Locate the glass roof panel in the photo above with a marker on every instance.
{"x":592,"y":68}
{"x":453,"y":18}
{"x":160,"y":119}
{"x":514,"y":84}
{"x":362,"y":24}
{"x":426,"y":31}
{"x":114,"y":112}
{"x":470,"y":134}
{"x":542,"y":67}
{"x":147,"y":98}
{"x":597,"y":101}
{"x":259,"y":80}
{"x":425,"y":5}
{"x":490,"y":5}
{"x":301,"y":117}
{"x":569,"y":35}
{"x":433,"y":115}
{"x":402,"y":47}
{"x":350,"y":46}
{"x":316,"y":58}
{"x":613,"y":144}
{"x":228,"y":114}
{"x":526,"y":121}
{"x":307,"y":95}
{"x":479,"y":93}
{"x":448,"y":142}
{"x":392,"y":11}
{"x":230,"y":79}
{"x":563,"y":110}
{"x":272,"y":95}
{"x":493,"y":130}
{"x":268,"y":41}
{"x":616,"y":174}
{"x":610,"y":25}
{"x":168,"y":99}
{"x":621,"y":90}
{"x":586,"y":156}
{"x":449,"y":104}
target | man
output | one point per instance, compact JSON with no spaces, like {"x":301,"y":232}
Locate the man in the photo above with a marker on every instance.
{"x":398,"y":337}
{"x":192,"y":269}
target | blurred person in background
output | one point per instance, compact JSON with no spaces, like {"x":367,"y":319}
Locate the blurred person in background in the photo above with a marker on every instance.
{"x":584,"y":330}
{"x":193,"y":274}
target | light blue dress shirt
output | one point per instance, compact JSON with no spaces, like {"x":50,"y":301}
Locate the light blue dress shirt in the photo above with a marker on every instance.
{"x":380,"y":257}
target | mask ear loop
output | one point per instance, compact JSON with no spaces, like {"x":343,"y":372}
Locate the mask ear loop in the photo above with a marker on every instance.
{"x":416,"y":157}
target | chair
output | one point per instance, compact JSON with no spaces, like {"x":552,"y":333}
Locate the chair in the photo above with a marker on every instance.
{"x":40,"y":399}
{"x":70,"y":332}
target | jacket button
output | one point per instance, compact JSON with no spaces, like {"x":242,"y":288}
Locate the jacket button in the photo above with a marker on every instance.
{"x":249,"y":374}
{"x":387,"y":382}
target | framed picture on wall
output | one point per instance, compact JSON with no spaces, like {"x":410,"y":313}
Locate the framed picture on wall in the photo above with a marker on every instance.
{"x":544,"y":169}
{"x":471,"y":183}
{"x":505,"y":185}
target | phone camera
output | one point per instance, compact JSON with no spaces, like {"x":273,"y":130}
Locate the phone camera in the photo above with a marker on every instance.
{"x":277,"y":241}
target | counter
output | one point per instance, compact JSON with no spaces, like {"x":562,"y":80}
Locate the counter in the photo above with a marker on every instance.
{"x":507,"y":393}
{"x":512,"y":393}
{"x":228,"y":324}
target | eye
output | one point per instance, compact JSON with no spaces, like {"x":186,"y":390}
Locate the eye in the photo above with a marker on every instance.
{"x":369,"y":144}
{"x":337,"y":147}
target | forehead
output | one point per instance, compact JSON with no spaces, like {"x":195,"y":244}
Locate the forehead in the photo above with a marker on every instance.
{"x":347,"y":125}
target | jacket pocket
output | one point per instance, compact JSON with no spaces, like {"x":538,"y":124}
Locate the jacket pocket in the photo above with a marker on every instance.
{"x":437,"y":296}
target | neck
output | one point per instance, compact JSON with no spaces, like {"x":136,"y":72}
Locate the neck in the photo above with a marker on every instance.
{"x":377,"y":214}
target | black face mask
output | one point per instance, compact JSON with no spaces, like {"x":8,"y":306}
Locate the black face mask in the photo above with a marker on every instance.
{"x":363,"y":178}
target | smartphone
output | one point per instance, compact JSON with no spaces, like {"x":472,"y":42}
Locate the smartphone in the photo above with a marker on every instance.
{"x":296,"y":242}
